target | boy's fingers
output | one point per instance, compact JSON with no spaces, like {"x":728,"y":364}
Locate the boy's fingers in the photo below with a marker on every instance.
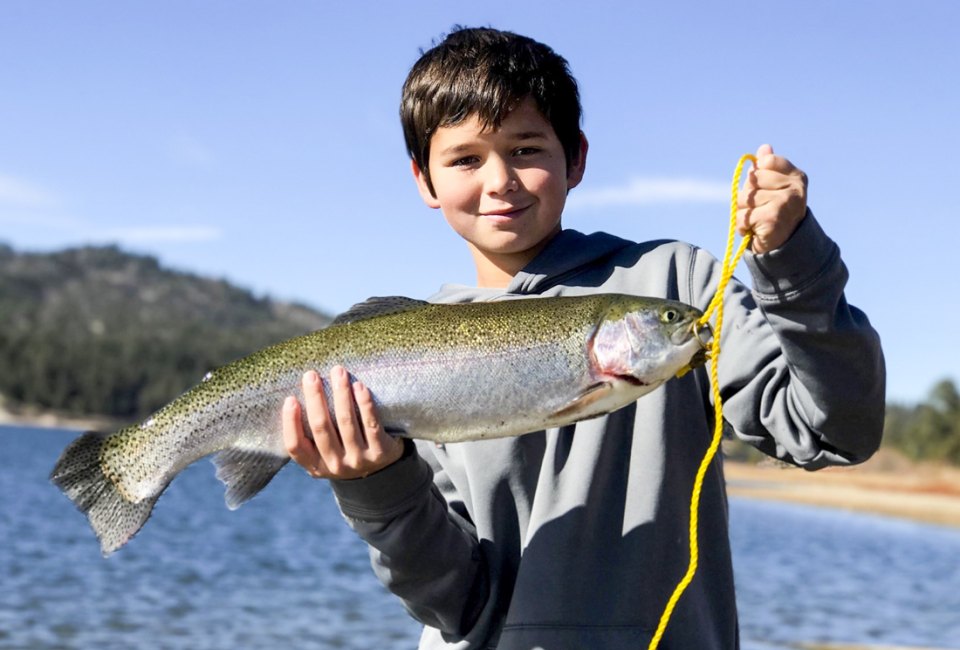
{"x":322,"y":428}
{"x":293,"y":438}
{"x":769,"y":179}
{"x":351,"y":433}
{"x":757,"y":198}
{"x":765,"y":157}
{"x":767,"y":226}
{"x":767,"y":213}
{"x":298,"y":445}
{"x":774,"y":163}
{"x":377,"y":439}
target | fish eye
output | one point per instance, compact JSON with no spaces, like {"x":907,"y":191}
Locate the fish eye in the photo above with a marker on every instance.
{"x":669,"y":315}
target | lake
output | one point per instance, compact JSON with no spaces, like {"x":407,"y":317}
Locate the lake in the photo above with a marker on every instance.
{"x":284,"y":571}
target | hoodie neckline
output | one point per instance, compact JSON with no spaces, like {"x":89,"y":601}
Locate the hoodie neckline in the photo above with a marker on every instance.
{"x":563,"y":257}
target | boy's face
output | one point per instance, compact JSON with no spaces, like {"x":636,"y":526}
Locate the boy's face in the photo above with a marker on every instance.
{"x":502,"y":190}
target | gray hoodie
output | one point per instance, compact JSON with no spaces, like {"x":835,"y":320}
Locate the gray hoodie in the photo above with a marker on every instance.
{"x":574,"y":538}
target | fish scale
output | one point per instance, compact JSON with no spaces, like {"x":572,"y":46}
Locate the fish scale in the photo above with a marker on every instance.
{"x":448,"y":373}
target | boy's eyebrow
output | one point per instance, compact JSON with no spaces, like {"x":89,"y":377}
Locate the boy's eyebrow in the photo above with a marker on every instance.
{"x":528,"y":135}
{"x":465,"y":146}
{"x":455,"y":148}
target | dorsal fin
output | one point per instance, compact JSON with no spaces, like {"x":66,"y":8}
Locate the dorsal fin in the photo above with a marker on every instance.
{"x":377,"y":306}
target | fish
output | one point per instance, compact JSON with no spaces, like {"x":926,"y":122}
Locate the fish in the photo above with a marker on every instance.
{"x":442,"y":372}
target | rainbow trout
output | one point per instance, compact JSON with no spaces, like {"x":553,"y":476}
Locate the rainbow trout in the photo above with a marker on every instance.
{"x":447,"y":373}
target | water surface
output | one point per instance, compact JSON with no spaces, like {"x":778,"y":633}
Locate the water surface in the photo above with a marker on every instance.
{"x":284,"y":571}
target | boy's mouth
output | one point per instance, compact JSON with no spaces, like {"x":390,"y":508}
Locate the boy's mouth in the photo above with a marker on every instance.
{"x":504,"y":215}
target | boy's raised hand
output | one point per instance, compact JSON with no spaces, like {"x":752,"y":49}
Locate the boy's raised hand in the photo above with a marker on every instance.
{"x":353,"y":446}
{"x":772,"y":202}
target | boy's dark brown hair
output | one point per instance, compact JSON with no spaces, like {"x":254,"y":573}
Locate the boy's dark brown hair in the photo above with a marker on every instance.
{"x":486,"y":72}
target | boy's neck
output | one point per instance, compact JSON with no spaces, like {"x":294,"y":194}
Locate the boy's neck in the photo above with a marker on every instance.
{"x":494,"y":276}
{"x":497,"y":270}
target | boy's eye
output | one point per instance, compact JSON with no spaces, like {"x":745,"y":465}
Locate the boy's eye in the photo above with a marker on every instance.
{"x":465,"y":161}
{"x":526,"y":151}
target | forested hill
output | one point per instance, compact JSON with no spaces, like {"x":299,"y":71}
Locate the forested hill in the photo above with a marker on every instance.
{"x":96,"y":330}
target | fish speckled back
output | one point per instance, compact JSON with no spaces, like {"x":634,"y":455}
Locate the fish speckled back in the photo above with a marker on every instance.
{"x":482,"y":326}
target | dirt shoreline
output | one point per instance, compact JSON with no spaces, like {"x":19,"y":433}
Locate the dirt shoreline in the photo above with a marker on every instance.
{"x":49,"y":420}
{"x":887,"y":485}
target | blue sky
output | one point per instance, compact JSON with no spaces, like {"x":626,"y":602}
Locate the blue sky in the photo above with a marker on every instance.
{"x":258,"y":141}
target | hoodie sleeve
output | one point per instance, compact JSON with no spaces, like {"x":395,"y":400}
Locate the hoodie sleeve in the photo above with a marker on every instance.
{"x":421,"y":550}
{"x":801,"y":371}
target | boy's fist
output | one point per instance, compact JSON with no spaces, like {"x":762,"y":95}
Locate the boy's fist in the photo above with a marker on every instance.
{"x":772,"y":202}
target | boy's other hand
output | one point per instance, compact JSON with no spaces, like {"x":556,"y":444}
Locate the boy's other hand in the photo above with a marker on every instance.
{"x":772,"y":202}
{"x":353,"y":446}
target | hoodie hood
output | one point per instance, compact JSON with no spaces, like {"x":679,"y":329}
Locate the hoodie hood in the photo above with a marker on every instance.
{"x":567,"y":254}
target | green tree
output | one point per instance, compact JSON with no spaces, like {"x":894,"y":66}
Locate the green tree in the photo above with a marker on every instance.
{"x":930,"y":430}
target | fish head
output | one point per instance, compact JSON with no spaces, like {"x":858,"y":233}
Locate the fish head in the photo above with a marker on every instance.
{"x":646,"y":341}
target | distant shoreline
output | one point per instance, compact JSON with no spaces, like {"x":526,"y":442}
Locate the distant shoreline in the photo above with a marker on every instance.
{"x":886,"y":485}
{"x":49,"y":420}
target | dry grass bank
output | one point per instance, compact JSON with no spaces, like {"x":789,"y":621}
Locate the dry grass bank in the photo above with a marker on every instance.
{"x":888,"y":484}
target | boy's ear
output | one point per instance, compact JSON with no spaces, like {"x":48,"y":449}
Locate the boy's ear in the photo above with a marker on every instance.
{"x":577,"y":167}
{"x":425,"y":193}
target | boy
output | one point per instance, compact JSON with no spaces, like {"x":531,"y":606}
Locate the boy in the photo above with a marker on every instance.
{"x":575,"y":537}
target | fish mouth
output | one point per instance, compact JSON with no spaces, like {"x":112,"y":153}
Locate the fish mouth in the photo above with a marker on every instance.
{"x":630,"y":379}
{"x":702,"y":355}
{"x":697,"y":328}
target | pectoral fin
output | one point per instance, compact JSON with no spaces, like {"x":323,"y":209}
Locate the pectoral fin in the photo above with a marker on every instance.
{"x":582,"y":405}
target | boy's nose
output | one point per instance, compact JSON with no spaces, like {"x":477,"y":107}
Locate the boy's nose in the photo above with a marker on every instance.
{"x":500,"y":178}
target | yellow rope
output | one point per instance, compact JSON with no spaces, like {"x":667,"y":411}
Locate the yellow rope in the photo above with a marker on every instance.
{"x":716,"y":304}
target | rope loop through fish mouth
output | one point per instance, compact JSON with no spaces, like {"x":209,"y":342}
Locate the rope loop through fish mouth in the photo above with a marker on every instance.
{"x":705,"y":353}
{"x":703,"y":332}
{"x":697,"y":328}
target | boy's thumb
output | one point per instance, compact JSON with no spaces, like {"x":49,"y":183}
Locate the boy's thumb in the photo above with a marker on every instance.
{"x":764,"y":150}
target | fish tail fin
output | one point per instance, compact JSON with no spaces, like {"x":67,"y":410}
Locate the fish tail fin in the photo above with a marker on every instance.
{"x":80,"y":476}
{"x":246,"y":472}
